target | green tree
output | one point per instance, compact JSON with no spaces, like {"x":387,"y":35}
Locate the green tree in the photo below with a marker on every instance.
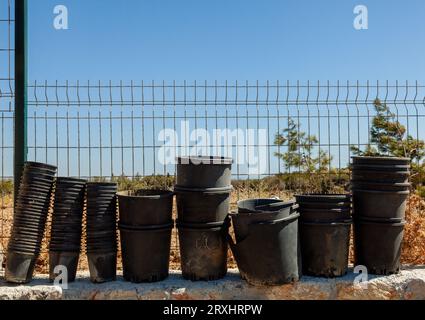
{"x":299,"y":150}
{"x":390,"y":138}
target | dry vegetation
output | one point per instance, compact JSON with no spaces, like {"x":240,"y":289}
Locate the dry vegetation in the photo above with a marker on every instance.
{"x":413,"y":248}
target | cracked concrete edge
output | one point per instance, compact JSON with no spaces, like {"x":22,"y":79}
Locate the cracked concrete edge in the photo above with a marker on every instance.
{"x":409,"y":284}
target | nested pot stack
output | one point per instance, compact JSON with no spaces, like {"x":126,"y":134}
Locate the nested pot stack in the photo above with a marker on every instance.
{"x":65,"y":235}
{"x":32,"y":205}
{"x":325,"y":226}
{"x":101,"y":231}
{"x":145,"y":226}
{"x":203,"y":189}
{"x":380,"y":187}
{"x":267,"y":249}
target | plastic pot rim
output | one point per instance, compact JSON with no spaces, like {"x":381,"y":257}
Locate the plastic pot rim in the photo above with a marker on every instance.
{"x":381,"y":158}
{"x":158,"y":227}
{"x":204,"y":160}
{"x":404,"y":192}
{"x":346,"y":222}
{"x":179,"y":189}
{"x":391,"y":223}
{"x":202,"y":226}
{"x":389,"y":184}
{"x":321,"y":197}
{"x":277,"y":221}
{"x":156,"y":194}
{"x":333,"y":210}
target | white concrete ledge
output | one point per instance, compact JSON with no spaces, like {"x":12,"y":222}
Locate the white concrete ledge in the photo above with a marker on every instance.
{"x":409,"y":284}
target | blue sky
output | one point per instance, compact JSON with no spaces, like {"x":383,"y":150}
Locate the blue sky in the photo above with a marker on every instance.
{"x":208,"y":40}
{"x":227,"y":39}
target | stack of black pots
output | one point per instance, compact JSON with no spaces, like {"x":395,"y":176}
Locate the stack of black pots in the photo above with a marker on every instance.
{"x":380,"y":190}
{"x":32,"y":205}
{"x":101,"y":231}
{"x":65,"y":235}
{"x":203,"y":197}
{"x":267,"y":249}
{"x":145,"y":227}
{"x":325,"y":226}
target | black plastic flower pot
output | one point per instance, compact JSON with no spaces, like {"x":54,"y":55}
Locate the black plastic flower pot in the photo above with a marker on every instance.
{"x":324,"y":248}
{"x":203,"y":251}
{"x":67,"y":259}
{"x":381,"y":176}
{"x":325,"y":215}
{"x":145,"y":207}
{"x":146,"y":252}
{"x":102,"y":266}
{"x":380,"y":160}
{"x":270,"y":253}
{"x":203,"y":205}
{"x":204,"y":172}
{"x":19,"y":267}
{"x":249,"y":212}
{"x":379,"y":204}
{"x":377,"y":186}
{"x":377,"y":245}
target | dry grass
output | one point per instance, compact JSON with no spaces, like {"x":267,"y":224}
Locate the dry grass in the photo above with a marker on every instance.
{"x":413,"y":248}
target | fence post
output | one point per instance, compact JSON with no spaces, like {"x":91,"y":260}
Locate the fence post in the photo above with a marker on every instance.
{"x":20,"y":128}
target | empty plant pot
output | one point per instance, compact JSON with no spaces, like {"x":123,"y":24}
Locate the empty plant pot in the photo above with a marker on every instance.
{"x":145,"y":252}
{"x":377,"y":245}
{"x":259,"y":210}
{"x":203,"y":251}
{"x":379,"y":204}
{"x":270,"y":253}
{"x":202,"y":205}
{"x":67,"y":260}
{"x":102,"y":266}
{"x":19,"y":267}
{"x":145,"y":207}
{"x":324,"y":248}
{"x":380,"y":160}
{"x":204,"y":172}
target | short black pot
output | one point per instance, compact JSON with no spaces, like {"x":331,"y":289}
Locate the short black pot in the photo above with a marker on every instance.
{"x":203,"y":251}
{"x":204,"y":172}
{"x":270,"y":253}
{"x":145,"y":207}
{"x":146,"y":252}
{"x":324,"y":248}
{"x":202,"y":205}
{"x":377,"y":245}
{"x":379,"y":204}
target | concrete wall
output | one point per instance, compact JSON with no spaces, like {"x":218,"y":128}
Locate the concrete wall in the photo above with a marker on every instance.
{"x":409,"y":284}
